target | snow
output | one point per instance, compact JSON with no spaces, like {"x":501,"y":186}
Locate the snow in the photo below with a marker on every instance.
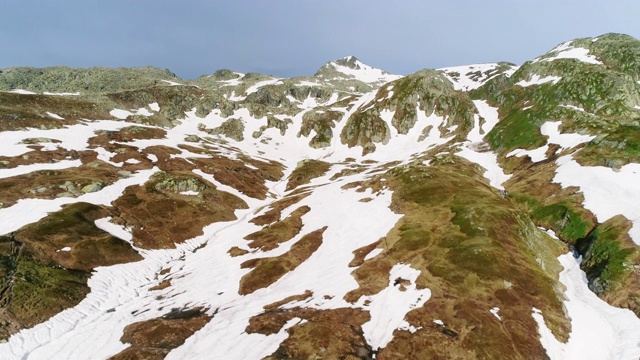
{"x":123,"y":114}
{"x":55,"y":116}
{"x":113,"y":229}
{"x":61,"y":93}
{"x":120,"y":114}
{"x":189,"y":193}
{"x":23,"y":92}
{"x":487,"y":159}
{"x":551,"y":129}
{"x":566,"y":51}
{"x":121,"y":295}
{"x":494,"y":311}
{"x":308,"y":83}
{"x":26,"y":169}
{"x":27,"y":211}
{"x":573,"y":107}
{"x":255,"y":87}
{"x":536,"y":155}
{"x":607,"y":192}
{"x":65,"y":249}
{"x":537,"y":80}
{"x":173,"y":83}
{"x":375,"y":252}
{"x":598,"y":330}
{"x":365,"y":73}
{"x":465,"y":82}
{"x":384,"y":318}
{"x":73,"y":137}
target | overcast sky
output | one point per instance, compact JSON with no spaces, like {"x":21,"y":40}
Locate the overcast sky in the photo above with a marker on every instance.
{"x":289,"y":38}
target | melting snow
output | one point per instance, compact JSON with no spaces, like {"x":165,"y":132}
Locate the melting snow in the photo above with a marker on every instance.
{"x":375,"y":252}
{"x":61,"y":93}
{"x":598,"y":330}
{"x":606,"y":192}
{"x":173,"y":83}
{"x":468,"y":78}
{"x":487,"y":159}
{"x":23,"y":92}
{"x":365,"y":73}
{"x":566,"y":51}
{"x":384,"y":318}
{"x":537,"y":80}
{"x":120,"y":114}
{"x":255,"y":87}
{"x":494,"y":311}
{"x":55,"y":116}
{"x":25,"y":169}
{"x":551,"y":129}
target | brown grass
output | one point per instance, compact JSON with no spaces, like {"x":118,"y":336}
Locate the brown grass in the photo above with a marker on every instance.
{"x":268,"y":270}
{"x":468,"y":243}
{"x":155,"y":338}
{"x":162,"y":218}
{"x":273,"y":214}
{"x":306,"y":171}
{"x":19,"y":187}
{"x":271,"y":236}
{"x":236,"y":174}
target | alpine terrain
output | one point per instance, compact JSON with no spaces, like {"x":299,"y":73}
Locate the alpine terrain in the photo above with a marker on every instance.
{"x":489,"y":211}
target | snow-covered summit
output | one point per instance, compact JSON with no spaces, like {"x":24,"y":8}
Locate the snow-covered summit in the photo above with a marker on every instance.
{"x":469,"y":77}
{"x":351,"y":68}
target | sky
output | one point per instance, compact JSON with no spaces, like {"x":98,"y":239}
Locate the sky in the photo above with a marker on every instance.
{"x":295,"y":38}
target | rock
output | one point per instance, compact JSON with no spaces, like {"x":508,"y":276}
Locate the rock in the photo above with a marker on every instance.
{"x":68,"y":185}
{"x":65,"y":194}
{"x":124,"y":173}
{"x":167,"y":182}
{"x":93,"y":187}
{"x":193,"y":138}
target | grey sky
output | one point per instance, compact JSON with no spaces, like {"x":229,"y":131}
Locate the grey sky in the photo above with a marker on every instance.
{"x":289,"y":38}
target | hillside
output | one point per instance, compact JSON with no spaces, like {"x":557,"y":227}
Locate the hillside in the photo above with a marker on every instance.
{"x":473,"y":212}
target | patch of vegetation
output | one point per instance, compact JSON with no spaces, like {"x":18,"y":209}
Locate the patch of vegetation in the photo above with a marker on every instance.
{"x":161,"y":217}
{"x":609,"y":256}
{"x":475,"y":250}
{"x":155,"y":338}
{"x":561,"y":216}
{"x":271,"y":236}
{"x":306,"y":171}
{"x":41,"y":290}
{"x":268,"y":270}
{"x":517,"y":129}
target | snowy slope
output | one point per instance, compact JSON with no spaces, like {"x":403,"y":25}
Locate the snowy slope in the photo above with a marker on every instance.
{"x":349,"y":216}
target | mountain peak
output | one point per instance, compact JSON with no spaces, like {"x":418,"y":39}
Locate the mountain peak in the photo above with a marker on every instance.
{"x":351,"y":62}
{"x":350,"y":68}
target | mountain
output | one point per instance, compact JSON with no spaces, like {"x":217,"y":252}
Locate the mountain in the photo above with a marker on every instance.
{"x":485,"y":211}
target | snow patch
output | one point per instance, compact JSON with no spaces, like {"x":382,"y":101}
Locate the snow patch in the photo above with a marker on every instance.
{"x":607,"y":192}
{"x":494,"y":311}
{"x":172,"y":83}
{"x":384,"y":318}
{"x":537,"y":80}
{"x":55,"y":116}
{"x":598,"y":330}
{"x":365,"y":73}
{"x":23,"y":92}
